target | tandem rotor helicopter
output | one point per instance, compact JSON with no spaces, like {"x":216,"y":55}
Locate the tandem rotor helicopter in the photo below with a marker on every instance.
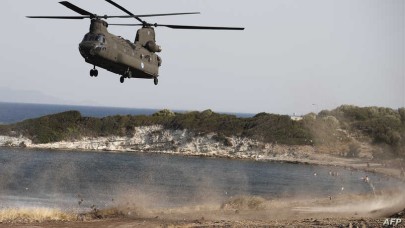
{"x":136,"y":59}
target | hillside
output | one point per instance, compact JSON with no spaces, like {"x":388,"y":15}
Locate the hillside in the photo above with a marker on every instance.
{"x":342,"y":130}
{"x":71,"y":125}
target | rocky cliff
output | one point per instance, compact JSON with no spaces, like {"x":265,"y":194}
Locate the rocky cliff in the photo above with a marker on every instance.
{"x":345,"y":132}
{"x":157,"y":139}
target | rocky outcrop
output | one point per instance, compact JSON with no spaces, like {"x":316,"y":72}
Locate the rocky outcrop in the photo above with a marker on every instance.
{"x":14,"y":141}
{"x":156,"y":139}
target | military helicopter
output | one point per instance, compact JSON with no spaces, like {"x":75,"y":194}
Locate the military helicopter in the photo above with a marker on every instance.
{"x":136,"y":59}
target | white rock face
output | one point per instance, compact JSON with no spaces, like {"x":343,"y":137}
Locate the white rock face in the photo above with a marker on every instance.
{"x":14,"y":141}
{"x":157,"y":139}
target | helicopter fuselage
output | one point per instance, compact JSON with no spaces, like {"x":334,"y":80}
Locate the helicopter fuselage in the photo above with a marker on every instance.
{"x":113,"y":53}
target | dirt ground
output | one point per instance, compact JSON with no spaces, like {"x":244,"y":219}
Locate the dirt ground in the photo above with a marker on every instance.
{"x":327,"y":222}
{"x":247,"y":211}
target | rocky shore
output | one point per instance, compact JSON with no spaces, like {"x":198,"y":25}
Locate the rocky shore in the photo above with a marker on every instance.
{"x":157,"y":139}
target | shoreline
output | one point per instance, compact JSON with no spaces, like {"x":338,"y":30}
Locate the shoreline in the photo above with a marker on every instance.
{"x":355,"y":164}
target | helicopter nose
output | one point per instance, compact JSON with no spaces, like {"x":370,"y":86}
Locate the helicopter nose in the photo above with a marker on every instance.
{"x":88,"y":50}
{"x":85,"y":49}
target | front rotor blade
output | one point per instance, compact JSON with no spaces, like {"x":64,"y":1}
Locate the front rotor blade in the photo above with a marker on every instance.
{"x":125,"y":10}
{"x":154,"y":15}
{"x":106,"y":16}
{"x":75,"y":8}
{"x":59,"y":17}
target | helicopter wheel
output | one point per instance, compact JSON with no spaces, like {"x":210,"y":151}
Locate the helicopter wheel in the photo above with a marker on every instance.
{"x":122,"y":79}
{"x":155,"y":81}
{"x":93,"y":73}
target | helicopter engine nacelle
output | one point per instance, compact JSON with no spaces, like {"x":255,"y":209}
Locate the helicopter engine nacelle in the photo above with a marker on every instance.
{"x":153,"y":47}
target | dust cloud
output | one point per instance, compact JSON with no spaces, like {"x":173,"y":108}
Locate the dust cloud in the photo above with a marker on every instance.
{"x":64,"y":195}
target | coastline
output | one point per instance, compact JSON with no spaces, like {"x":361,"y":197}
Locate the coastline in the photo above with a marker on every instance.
{"x":308,"y":155}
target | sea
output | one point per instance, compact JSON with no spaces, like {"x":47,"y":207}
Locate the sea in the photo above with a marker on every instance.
{"x":79,"y":180}
{"x":62,"y":179}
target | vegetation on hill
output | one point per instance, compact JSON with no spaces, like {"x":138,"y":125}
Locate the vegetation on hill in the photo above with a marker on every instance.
{"x":71,"y":125}
{"x":383,"y":126}
{"x":348,"y":124}
{"x":380,"y":126}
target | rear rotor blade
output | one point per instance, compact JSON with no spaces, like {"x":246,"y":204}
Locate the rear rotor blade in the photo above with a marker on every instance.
{"x":75,"y":8}
{"x":126,"y":11}
{"x":200,"y":27}
{"x":186,"y":27}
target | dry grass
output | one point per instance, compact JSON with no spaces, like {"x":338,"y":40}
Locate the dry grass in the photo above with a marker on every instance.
{"x":244,"y":203}
{"x":26,"y":215}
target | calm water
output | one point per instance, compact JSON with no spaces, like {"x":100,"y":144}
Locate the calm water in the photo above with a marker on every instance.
{"x":15,"y":112}
{"x":56,"y":178}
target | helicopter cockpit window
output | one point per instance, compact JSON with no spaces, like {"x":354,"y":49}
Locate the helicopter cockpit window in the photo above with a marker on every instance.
{"x":100,"y":38}
{"x":92,"y":37}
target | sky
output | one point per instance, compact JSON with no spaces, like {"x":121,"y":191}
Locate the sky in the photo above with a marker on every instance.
{"x":295,"y":56}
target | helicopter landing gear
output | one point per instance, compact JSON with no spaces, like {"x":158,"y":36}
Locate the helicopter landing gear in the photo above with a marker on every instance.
{"x":155,"y":80}
{"x":127,"y":74}
{"x":94,"y":72}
